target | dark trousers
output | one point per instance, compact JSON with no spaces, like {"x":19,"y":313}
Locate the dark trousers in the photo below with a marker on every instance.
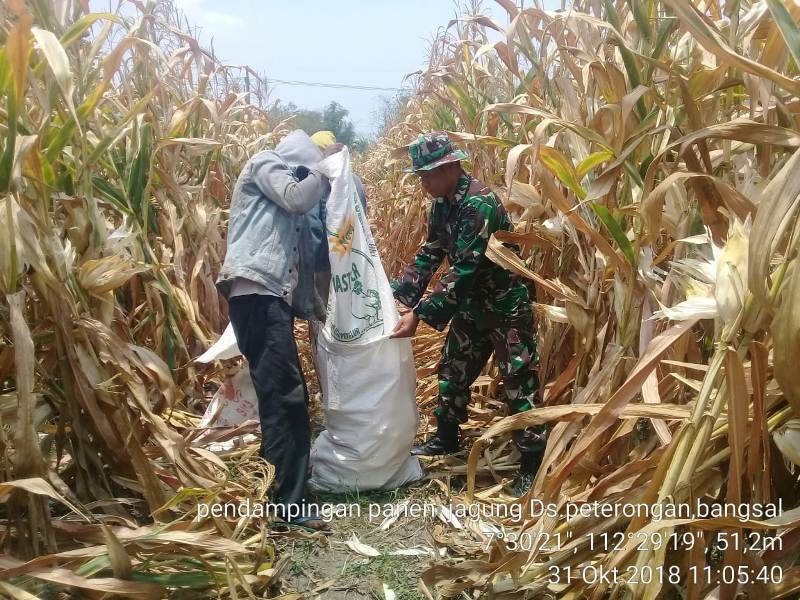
{"x":468,"y":346}
{"x":264,"y":328}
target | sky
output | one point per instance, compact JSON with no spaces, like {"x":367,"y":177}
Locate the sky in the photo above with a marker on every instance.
{"x":373,"y":43}
{"x":355,"y":42}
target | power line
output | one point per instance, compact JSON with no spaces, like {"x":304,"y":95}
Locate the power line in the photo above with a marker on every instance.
{"x":335,"y":85}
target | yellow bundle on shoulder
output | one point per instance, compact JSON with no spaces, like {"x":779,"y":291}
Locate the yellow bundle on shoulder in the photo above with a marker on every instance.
{"x":323,"y":139}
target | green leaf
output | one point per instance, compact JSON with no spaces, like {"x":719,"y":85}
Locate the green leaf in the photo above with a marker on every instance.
{"x":644,"y":166}
{"x":111,"y":193}
{"x":57,"y":145}
{"x":65,"y":181}
{"x":789,"y":29}
{"x":615,"y":230}
{"x":561,"y":168}
{"x":121,"y":129}
{"x":8,"y":251}
{"x":464,"y":99}
{"x":711,"y":40}
{"x":94,"y":566}
{"x":187,"y":493}
{"x":631,"y":67}
{"x":78,"y":28}
{"x":44,"y":12}
{"x":197,"y":579}
{"x":641,"y":19}
{"x":591,"y":161}
{"x":663,"y":36}
{"x":169,"y":338}
{"x":7,"y":160}
{"x":139,"y":173}
{"x":5,"y":70}
{"x":444,"y":119}
{"x":631,"y":169}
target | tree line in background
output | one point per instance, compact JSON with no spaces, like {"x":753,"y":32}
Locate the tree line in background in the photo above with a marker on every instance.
{"x":334,"y":118}
{"x":331,"y":118}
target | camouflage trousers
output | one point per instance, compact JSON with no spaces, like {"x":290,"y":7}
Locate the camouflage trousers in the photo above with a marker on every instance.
{"x":468,"y":346}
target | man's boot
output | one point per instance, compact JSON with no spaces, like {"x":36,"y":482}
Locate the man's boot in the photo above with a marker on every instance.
{"x":529,"y":464}
{"x":444,"y":442}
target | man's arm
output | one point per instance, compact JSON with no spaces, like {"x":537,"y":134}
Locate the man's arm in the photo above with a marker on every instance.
{"x":276,"y":180}
{"x":477,"y":225}
{"x":411,"y":285}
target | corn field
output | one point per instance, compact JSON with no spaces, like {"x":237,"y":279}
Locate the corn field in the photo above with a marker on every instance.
{"x":648,"y":151}
{"x":122,"y":139}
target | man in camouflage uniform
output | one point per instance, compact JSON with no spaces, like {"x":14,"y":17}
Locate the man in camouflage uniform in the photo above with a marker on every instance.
{"x":488,"y":307}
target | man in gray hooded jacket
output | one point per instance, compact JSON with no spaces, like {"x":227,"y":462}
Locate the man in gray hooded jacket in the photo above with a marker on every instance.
{"x":276,"y":268}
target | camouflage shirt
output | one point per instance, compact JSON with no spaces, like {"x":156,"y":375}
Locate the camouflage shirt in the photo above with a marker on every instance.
{"x":473,"y":285}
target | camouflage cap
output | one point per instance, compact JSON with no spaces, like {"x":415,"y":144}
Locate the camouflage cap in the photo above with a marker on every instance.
{"x":433,"y":150}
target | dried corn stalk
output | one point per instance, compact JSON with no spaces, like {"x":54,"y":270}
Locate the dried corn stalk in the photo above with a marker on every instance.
{"x":649,"y":153}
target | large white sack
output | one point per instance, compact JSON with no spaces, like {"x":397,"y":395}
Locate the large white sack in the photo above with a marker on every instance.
{"x":234,"y":403}
{"x":225,"y":347}
{"x":370,"y":423}
{"x":368,"y":380}
{"x":361,"y":307}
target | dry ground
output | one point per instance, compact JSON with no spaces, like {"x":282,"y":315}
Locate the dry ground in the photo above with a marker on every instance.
{"x":331,"y":570}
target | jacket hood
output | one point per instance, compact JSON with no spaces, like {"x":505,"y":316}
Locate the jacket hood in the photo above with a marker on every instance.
{"x":297,"y":149}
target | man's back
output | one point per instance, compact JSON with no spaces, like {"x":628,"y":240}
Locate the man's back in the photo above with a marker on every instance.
{"x":270,"y":241}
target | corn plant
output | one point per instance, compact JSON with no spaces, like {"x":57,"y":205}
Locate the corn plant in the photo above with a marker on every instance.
{"x":122,"y":138}
{"x":648,"y":151}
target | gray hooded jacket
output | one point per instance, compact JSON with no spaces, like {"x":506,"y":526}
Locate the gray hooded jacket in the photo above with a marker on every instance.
{"x":275,"y":223}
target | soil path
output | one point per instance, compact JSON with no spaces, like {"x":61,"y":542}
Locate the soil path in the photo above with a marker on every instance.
{"x":338,"y":568}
